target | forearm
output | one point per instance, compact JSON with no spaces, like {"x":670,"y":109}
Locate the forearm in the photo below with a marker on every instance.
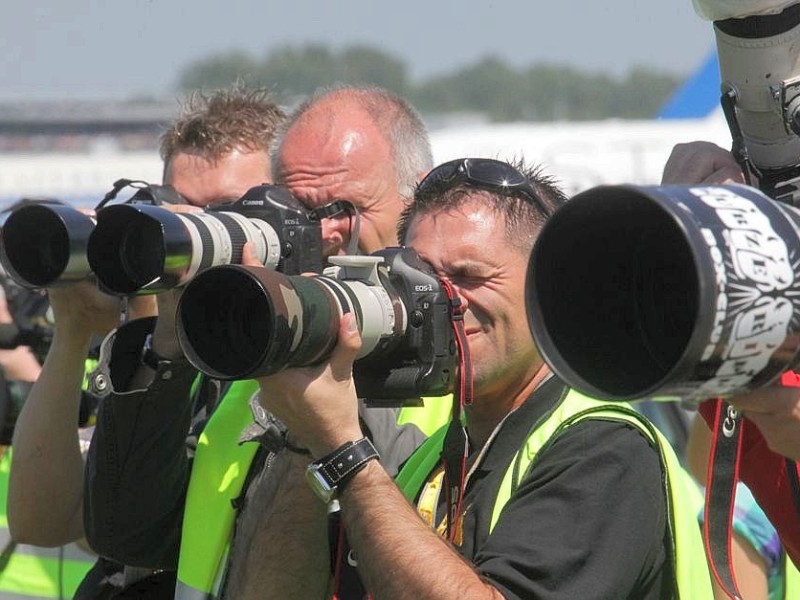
{"x":46,"y":479}
{"x":398,"y":555}
{"x":284,"y":542}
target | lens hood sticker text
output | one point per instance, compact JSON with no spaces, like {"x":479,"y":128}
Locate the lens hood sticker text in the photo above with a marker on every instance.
{"x":749,"y":277}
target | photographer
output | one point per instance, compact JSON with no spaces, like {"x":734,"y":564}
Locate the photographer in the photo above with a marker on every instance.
{"x":373,"y":150}
{"x":368,"y":147}
{"x":215,"y":152}
{"x":757,"y":44}
{"x":773,"y":410}
{"x":24,"y":569}
{"x":587,"y":518}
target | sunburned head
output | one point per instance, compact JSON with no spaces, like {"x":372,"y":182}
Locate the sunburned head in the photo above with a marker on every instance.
{"x":362,"y":145}
{"x":479,"y":235}
{"x":219,"y":147}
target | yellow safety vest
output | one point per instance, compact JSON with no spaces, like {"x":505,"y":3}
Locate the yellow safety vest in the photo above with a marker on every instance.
{"x":30,"y":572}
{"x":218,"y":474}
{"x":791,"y":580}
{"x":693,"y":580}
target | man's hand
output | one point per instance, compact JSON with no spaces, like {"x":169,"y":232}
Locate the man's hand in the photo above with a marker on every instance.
{"x":165,"y":335}
{"x":81,"y":309}
{"x":318,"y":404}
{"x":775,"y":410}
{"x":701,"y":162}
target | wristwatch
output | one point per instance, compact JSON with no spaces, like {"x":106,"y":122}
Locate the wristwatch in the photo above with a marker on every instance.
{"x":328,"y":475}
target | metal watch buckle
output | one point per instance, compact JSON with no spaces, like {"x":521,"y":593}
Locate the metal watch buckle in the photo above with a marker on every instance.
{"x":318,"y":482}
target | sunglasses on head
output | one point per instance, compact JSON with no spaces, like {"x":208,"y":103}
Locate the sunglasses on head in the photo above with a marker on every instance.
{"x":486,"y":174}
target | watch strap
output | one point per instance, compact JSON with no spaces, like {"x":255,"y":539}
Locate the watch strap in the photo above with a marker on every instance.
{"x":342,"y":464}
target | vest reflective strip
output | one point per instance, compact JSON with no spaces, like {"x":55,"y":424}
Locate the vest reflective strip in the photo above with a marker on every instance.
{"x":32,"y":571}
{"x":691,"y":571}
{"x":218,"y":474}
{"x":184,"y":592}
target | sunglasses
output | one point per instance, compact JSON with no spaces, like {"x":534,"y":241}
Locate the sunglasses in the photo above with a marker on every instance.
{"x":486,"y":174}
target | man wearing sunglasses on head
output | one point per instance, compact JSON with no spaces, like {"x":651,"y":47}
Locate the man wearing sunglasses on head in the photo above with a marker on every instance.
{"x":544,"y":494}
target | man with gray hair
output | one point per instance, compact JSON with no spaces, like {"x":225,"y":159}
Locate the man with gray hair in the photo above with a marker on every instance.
{"x":353,"y":156}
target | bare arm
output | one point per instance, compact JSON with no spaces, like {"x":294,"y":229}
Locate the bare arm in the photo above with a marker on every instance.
{"x":399,"y":556}
{"x":45,"y":487}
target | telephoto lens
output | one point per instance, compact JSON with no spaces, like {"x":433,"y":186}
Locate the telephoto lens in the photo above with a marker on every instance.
{"x":44,"y":244}
{"x":138,"y":248}
{"x":674,"y":292}
{"x":237,"y":322}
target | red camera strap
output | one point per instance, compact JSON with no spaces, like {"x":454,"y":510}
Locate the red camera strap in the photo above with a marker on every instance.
{"x":728,"y":432}
{"x":456,"y":441}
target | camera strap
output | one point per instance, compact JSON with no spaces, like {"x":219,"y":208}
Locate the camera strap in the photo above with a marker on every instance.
{"x":149,"y":193}
{"x":456,"y":442}
{"x":723,"y":475}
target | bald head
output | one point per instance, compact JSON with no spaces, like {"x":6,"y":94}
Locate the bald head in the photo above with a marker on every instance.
{"x":362,"y":145}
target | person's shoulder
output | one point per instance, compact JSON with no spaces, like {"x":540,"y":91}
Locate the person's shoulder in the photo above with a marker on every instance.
{"x":620,"y":447}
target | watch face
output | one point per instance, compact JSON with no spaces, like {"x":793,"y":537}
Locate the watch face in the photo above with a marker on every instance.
{"x":319,"y":484}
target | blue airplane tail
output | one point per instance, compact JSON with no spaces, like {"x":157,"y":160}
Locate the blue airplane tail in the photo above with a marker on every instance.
{"x":699,"y":96}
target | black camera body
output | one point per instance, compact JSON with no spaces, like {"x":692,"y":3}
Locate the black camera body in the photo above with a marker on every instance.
{"x":296,"y":227}
{"x":422,"y":360}
{"x":138,"y":248}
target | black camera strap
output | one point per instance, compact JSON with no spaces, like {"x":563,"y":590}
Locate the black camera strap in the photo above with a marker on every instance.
{"x":723,"y":475}
{"x":149,"y":193}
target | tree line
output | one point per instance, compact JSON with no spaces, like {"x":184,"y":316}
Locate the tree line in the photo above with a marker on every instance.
{"x":491,"y":86}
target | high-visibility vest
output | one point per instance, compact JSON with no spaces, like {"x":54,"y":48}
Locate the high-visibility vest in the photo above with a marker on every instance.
{"x":791,"y":579}
{"x":692,"y":578}
{"x":218,"y":474}
{"x":30,"y":572}
{"x":430,"y":416}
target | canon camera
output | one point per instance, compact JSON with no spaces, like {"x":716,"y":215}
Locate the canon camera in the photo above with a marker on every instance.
{"x":238,"y":322}
{"x":138,"y":248}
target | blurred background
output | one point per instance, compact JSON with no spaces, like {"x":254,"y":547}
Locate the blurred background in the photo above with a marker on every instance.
{"x":598,"y":92}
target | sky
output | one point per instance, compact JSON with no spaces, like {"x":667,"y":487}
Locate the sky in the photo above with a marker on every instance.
{"x":89,"y":49}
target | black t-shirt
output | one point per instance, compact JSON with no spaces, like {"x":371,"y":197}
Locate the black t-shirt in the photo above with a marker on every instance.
{"x":589,"y":521}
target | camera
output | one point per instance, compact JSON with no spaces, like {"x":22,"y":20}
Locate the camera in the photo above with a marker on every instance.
{"x":760,"y":72}
{"x":136,"y":248}
{"x":43,"y":243}
{"x":676,"y":292}
{"x":687,"y":292}
{"x":237,"y":322}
